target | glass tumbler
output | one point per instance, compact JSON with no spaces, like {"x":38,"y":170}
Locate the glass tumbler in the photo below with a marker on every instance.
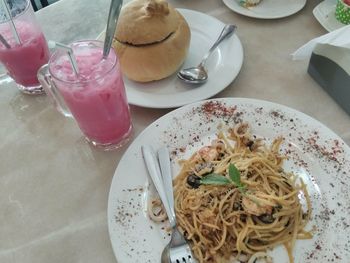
{"x":95,"y":97}
{"x":22,"y":58}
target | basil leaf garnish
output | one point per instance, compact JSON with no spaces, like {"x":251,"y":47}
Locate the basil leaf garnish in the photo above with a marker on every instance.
{"x":234,"y":174}
{"x":215,"y":179}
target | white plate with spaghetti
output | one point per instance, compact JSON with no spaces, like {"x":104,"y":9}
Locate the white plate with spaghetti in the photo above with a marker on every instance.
{"x":267,"y":9}
{"x":316,"y":155}
{"x":223,"y":67}
{"x":324,"y":12}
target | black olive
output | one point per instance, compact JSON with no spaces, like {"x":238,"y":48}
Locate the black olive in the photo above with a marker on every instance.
{"x":266,"y":218}
{"x":193,"y":180}
{"x":250,"y":144}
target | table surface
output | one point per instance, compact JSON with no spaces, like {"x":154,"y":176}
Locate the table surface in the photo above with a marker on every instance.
{"x":54,"y":186}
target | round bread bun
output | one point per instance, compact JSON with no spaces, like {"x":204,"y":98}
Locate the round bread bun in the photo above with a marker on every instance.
{"x":151,"y":40}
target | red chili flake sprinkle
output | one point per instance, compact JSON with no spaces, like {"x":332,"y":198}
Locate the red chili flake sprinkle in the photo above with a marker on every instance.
{"x":217,"y":109}
{"x":277,"y":114}
{"x":321,"y":149}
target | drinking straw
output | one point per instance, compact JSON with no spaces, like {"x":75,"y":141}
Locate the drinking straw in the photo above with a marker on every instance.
{"x":13,"y":27}
{"x":114,"y":11}
{"x":70,"y":54}
{"x":4,"y":42}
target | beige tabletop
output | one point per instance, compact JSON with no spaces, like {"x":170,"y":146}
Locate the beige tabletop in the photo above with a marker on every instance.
{"x":54,"y":186}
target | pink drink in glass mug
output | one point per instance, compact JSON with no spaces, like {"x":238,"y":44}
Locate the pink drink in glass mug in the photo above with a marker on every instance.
{"x":22,"y":60}
{"x":95,"y":97}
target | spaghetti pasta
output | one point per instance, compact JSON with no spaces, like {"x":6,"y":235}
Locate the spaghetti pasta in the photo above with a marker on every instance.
{"x":234,"y":200}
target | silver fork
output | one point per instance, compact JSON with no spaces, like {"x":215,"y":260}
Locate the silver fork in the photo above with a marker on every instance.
{"x":178,"y":250}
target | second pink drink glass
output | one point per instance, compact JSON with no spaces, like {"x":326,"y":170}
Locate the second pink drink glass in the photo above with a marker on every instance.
{"x":95,"y":97}
{"x":23,"y":58}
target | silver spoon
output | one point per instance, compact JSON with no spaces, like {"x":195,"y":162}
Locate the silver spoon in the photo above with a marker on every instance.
{"x":199,"y":74}
{"x":114,"y":11}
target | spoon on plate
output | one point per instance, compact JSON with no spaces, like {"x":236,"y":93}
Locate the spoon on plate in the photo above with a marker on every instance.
{"x":199,"y":74}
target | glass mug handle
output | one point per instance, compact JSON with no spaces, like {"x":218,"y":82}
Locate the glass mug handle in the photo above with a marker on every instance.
{"x":51,"y":90}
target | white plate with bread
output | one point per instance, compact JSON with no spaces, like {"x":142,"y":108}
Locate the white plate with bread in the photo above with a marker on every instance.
{"x":265,"y":9}
{"x":148,"y":62}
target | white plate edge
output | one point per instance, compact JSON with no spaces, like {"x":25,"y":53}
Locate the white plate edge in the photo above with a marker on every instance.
{"x":264,"y":17}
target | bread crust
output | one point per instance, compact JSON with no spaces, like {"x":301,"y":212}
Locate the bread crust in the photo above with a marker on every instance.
{"x":152,"y":56}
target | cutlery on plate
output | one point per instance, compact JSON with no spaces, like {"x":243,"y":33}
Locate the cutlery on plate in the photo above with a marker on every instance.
{"x":165,"y":168}
{"x":199,"y":74}
{"x":178,"y":249}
